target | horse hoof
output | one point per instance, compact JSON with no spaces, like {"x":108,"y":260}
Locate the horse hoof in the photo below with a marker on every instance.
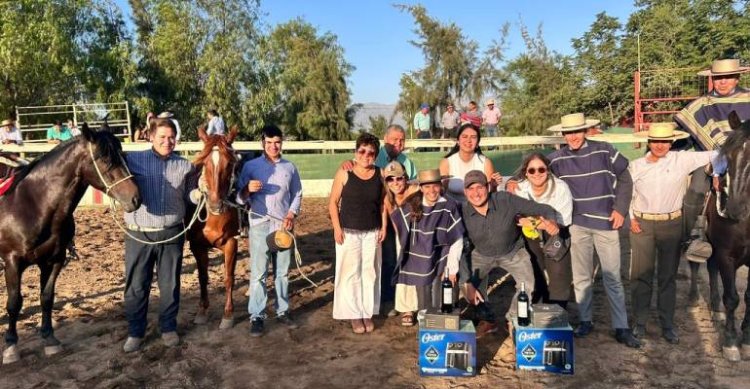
{"x":226,"y":324}
{"x":731,"y":354}
{"x":52,"y":350}
{"x":201,"y":319}
{"x":11,"y":354}
{"x":718,"y":316}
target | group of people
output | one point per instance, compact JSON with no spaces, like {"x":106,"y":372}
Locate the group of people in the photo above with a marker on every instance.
{"x":395,"y":243}
{"x":451,"y":120}
{"x":215,"y":126}
{"x":59,"y":132}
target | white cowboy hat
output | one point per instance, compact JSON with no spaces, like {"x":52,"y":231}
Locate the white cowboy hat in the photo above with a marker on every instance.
{"x":573,"y":122}
{"x":6,"y":122}
{"x":722,"y":67}
{"x":166,"y":115}
{"x":662,"y":131}
{"x":490,"y":102}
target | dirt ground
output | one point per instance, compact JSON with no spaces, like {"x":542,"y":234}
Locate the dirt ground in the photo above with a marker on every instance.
{"x":323,"y":352}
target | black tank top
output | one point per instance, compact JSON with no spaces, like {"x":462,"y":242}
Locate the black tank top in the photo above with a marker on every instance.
{"x":361,"y":202}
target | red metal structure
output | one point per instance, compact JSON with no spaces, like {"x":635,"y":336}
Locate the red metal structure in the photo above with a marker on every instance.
{"x":660,"y":93}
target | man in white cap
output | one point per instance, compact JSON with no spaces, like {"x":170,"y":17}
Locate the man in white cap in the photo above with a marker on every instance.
{"x":598,"y":177}
{"x":9,"y":134}
{"x":706,"y":120}
{"x":659,"y":184}
{"x":491,"y":118}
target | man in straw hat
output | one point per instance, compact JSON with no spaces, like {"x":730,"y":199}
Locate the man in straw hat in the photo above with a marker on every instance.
{"x":659,"y":184}
{"x":9,"y":134}
{"x":271,"y":186}
{"x":598,"y":177}
{"x":490,"y":221}
{"x":706,"y":121}
{"x":491,"y":118}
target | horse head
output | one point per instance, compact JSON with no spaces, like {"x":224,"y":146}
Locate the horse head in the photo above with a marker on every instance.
{"x":218,"y":163}
{"x":737,"y":153}
{"x":108,"y":171}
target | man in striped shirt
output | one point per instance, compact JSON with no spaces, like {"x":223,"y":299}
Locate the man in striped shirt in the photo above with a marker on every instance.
{"x":598,"y":177}
{"x":164,"y":180}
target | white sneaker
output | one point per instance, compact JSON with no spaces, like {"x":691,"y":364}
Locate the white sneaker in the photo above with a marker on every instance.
{"x":170,"y":339}
{"x":132,"y":344}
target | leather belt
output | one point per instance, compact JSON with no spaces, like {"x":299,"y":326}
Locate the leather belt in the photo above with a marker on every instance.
{"x":135,"y":227}
{"x":658,"y":216}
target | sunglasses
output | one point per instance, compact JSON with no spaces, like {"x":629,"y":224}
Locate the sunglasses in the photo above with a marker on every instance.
{"x":366,"y":152}
{"x":532,"y":170}
{"x":394,"y":179}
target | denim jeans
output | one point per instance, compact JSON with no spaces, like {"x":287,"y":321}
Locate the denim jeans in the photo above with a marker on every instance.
{"x":259,"y":260}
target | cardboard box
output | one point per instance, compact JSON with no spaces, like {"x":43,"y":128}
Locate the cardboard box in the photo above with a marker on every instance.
{"x":546,"y":349}
{"x":434,"y":319}
{"x":448,"y":352}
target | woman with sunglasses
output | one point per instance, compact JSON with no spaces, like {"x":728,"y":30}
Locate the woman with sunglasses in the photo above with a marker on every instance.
{"x":537,"y":183}
{"x":463,"y":158}
{"x":359,"y":220}
{"x":397,"y":190}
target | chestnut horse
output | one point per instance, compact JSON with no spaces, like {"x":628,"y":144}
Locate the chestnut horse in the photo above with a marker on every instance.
{"x":218,"y":164}
{"x":729,"y":234}
{"x":37,"y":223}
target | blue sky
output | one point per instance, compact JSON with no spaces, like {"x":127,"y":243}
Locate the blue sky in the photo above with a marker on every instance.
{"x":375,"y":35}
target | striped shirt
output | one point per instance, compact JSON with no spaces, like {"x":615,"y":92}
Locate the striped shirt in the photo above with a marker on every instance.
{"x":598,"y":178}
{"x":164,"y":185}
{"x":705,"y":118}
{"x":429,"y":244}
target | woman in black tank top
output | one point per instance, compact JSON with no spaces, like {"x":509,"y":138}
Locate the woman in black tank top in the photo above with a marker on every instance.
{"x":358,"y":218}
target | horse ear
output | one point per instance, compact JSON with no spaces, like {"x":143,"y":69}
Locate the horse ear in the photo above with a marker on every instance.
{"x":202,"y":133}
{"x":734,"y":120}
{"x":86,"y":132}
{"x":232,"y":134}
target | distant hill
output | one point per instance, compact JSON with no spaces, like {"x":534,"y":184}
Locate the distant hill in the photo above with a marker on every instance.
{"x":361,"y":119}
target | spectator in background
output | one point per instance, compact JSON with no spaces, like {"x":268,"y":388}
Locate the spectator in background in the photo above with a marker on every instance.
{"x":141,"y":134}
{"x":216,"y":124}
{"x":491,"y":118}
{"x":422,"y":123}
{"x":451,"y":121}
{"x":9,"y":134}
{"x":58,"y":133}
{"x":73,"y":128}
{"x":472,"y":115}
{"x":169,"y":115}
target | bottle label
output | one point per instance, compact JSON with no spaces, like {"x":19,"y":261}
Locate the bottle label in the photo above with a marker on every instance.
{"x":447,"y":296}
{"x":523,"y":310}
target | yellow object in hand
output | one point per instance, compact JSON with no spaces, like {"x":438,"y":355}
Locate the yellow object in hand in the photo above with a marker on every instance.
{"x":530,"y":231}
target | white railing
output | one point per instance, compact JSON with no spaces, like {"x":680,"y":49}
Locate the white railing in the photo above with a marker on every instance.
{"x":36,"y":119}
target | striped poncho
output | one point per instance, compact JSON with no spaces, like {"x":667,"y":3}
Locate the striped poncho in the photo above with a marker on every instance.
{"x":705,"y":118}
{"x":425,"y":244}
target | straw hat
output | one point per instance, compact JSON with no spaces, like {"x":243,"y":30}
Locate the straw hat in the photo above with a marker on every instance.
{"x":490,"y":102}
{"x":279,"y":240}
{"x":662,"y":131}
{"x":722,"y":67}
{"x":6,"y":122}
{"x":166,"y":115}
{"x":429,"y":176}
{"x":573,"y":122}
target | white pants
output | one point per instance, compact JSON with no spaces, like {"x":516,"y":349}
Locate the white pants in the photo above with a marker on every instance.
{"x":406,"y":298}
{"x":356,"y":293}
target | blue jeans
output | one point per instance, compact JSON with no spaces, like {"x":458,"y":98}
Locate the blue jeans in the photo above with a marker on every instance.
{"x":259,"y":258}
{"x":491,"y":130}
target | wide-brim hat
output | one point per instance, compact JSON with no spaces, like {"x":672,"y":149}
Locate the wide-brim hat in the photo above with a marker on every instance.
{"x":165,"y":115}
{"x":662,"y":131}
{"x":428,"y":176}
{"x":490,"y":102}
{"x":279,"y":240}
{"x":6,"y":122}
{"x":573,"y":122}
{"x":721,"y":67}
{"x":394,"y":169}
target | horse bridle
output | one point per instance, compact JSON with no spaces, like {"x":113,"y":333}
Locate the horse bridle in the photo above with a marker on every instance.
{"x":203,"y":187}
{"x":108,"y":186}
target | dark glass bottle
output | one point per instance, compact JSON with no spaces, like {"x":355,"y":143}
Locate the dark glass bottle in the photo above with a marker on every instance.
{"x":523,"y":307}
{"x":447,"y":289}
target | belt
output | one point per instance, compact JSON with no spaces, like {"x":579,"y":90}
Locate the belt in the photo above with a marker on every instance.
{"x":658,"y":216}
{"x":135,"y":227}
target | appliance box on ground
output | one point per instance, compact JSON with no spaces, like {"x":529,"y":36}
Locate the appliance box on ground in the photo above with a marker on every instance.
{"x":445,"y":352}
{"x":546,"y":349}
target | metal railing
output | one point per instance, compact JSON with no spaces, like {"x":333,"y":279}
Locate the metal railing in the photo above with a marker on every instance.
{"x":33,"y":121}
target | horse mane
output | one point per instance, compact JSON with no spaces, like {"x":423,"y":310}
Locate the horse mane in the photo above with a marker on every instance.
{"x":736,"y":139}
{"x":107,"y":146}
{"x":215,"y":141}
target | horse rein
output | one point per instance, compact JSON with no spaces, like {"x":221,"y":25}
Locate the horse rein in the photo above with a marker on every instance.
{"x":107,"y":185}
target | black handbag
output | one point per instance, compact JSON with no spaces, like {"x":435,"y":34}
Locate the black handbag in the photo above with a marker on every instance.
{"x":556,"y":247}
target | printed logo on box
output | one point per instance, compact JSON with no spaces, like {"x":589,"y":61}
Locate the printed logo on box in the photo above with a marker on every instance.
{"x":431,"y":354}
{"x":527,"y":336}
{"x":528,"y":352}
{"x":427,"y":337}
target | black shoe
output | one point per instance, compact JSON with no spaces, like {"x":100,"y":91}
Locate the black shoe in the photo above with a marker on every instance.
{"x":670,"y":335}
{"x":623,"y":335}
{"x":256,"y":327}
{"x":584,"y":328}
{"x":639,"y":331}
{"x":286,"y":320}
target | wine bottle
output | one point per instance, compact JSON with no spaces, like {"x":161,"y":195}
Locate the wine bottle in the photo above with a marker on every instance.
{"x":523,"y":307}
{"x":447,"y":287}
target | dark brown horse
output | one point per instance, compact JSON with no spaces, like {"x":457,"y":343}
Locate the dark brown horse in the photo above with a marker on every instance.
{"x":220,"y":228}
{"x":729,"y":234}
{"x":37,"y":218}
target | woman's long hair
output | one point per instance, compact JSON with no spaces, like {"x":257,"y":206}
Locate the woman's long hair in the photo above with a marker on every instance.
{"x":415,"y":205}
{"x":520,"y":174}
{"x":389,"y":196}
{"x":463,"y":128}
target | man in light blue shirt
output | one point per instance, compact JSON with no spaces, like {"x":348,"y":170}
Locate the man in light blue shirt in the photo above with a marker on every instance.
{"x":216,"y":124}
{"x":392,"y":150}
{"x":58,"y":133}
{"x":271,"y":186}
{"x":422,"y":122}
